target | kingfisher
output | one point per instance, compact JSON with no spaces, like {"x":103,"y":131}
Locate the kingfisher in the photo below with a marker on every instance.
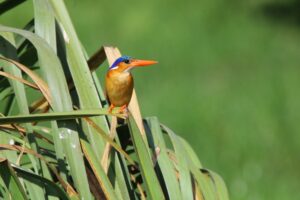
{"x":119,"y":81}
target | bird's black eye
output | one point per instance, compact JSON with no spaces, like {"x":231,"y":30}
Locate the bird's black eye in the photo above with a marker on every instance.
{"x":127,"y":61}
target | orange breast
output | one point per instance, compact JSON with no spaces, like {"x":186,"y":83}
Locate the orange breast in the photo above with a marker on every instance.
{"x":119,"y":87}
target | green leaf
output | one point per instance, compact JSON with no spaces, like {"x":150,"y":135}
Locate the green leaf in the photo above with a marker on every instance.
{"x":44,"y":26}
{"x":192,"y":157}
{"x":44,"y":22}
{"x":145,"y":161}
{"x":53,"y":116}
{"x":182,"y":164}
{"x":21,"y":99}
{"x":204,"y":183}
{"x":11,"y":180}
{"x":61,"y":102}
{"x":5,"y":93}
{"x":106,"y":137}
{"x":4,"y":193}
{"x":164,"y":162}
{"x":51,"y":188}
{"x":6,"y":138}
{"x":83,"y":81}
{"x":123,"y":184}
{"x":9,"y":4}
{"x":220,"y":187}
{"x":98,"y":171}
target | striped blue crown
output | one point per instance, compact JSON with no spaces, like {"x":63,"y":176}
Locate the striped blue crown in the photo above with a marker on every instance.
{"x":121,"y":59}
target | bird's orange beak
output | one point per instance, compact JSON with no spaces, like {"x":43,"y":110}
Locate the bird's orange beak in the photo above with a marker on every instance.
{"x":142,"y":63}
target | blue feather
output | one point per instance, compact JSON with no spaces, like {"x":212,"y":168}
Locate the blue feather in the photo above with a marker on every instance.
{"x":121,"y":59}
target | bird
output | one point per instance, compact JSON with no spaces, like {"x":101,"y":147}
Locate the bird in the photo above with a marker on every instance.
{"x":119,"y":81}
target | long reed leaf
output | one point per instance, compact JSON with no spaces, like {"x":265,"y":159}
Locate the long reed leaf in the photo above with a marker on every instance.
{"x":16,"y":69}
{"x":50,"y":187}
{"x":183,"y":168}
{"x":54,"y":116}
{"x":11,"y":181}
{"x":61,"y":102}
{"x":98,"y":171}
{"x":164,"y":162}
{"x":147,"y":169}
{"x":81,"y":75}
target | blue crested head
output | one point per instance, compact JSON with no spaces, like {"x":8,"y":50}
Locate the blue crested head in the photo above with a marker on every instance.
{"x":119,"y":60}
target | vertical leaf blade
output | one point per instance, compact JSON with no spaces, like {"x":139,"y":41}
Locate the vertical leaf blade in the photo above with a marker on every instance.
{"x":145,"y":161}
{"x":11,"y":181}
{"x":61,"y":101}
{"x":164,"y":162}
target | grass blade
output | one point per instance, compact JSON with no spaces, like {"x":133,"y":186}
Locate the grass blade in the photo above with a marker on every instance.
{"x":183,"y":168}
{"x":191,"y":155}
{"x":164,"y":162}
{"x":145,"y":161}
{"x":81,"y":75}
{"x":204,"y":183}
{"x":61,"y":102}
{"x":44,"y":22}
{"x":11,"y":181}
{"x":220,"y":187}
{"x":21,"y":99}
{"x":9,"y":4}
{"x":109,"y":140}
{"x":98,"y":171}
{"x":54,"y":116}
{"x":51,"y":188}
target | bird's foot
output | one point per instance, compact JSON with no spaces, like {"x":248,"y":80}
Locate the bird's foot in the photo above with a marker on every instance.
{"x":124,"y":110}
{"x":110,"y":109}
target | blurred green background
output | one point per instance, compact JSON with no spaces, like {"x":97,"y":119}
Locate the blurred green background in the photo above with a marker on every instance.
{"x":227,"y":80}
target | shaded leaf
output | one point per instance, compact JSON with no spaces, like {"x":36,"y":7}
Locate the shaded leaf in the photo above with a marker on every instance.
{"x":11,"y":180}
{"x":145,"y":161}
{"x":51,"y":188}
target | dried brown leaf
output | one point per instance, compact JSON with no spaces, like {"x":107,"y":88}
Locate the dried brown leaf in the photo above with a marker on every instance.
{"x":36,"y":79}
{"x":7,"y":75}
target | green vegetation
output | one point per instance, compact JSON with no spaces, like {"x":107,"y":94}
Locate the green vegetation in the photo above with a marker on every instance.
{"x":56,"y":135}
{"x":228,"y":67}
